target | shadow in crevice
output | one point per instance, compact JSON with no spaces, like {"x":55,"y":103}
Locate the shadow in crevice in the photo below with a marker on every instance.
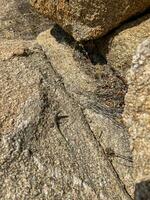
{"x":142,"y":190}
{"x":87,"y":48}
{"x":106,"y":40}
{"x":61,"y":36}
{"x":91,"y":49}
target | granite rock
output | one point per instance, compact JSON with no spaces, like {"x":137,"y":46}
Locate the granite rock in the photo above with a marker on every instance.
{"x":61,"y":133}
{"x":137,"y":117}
{"x":54,"y":141}
{"x":119,"y":46}
{"x":19,"y":21}
{"x":86,"y":19}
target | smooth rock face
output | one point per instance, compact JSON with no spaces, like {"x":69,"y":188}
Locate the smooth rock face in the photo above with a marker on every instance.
{"x":137,"y":117}
{"x":119,"y":47}
{"x":86,"y":19}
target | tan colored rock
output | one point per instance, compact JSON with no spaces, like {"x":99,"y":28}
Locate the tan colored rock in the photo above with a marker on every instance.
{"x":137,"y":116}
{"x":11,"y":48}
{"x":17,"y":82}
{"x":81,"y":85}
{"x":55,"y":125}
{"x":86,"y":19}
{"x":92,"y":85}
{"x":45,"y":155}
{"x":119,"y":46}
{"x":18,"y":20}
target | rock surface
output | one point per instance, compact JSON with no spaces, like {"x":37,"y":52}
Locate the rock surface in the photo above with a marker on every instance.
{"x":61,"y":130}
{"x":61,"y":136}
{"x":119,"y":47}
{"x":89,"y":19}
{"x":42,"y":158}
{"x":19,"y":21}
{"x":137,"y":117}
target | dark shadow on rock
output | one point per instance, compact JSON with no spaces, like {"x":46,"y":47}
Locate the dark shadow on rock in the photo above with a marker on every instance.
{"x":107,"y":39}
{"x":61,"y":36}
{"x":86,"y":48}
{"x":91,"y":48}
{"x":142,"y":190}
{"x":95,"y":56}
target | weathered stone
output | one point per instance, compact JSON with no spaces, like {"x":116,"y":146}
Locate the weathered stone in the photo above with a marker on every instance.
{"x":89,"y":19}
{"x":119,"y":47}
{"x":137,"y":117}
{"x":61,"y":137}
{"x":93,"y":85}
{"x":16,"y":82}
{"x":82,"y":86}
{"x":45,"y":158}
{"x":18,"y":20}
{"x":39,"y":159}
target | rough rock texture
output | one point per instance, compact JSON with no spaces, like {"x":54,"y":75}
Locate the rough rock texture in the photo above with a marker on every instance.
{"x":119,"y":47}
{"x":61,"y":131}
{"x":61,"y":135}
{"x":19,"y":21}
{"x":137,"y":117}
{"x":93,"y":85}
{"x":86,"y":19}
{"x":51,"y":146}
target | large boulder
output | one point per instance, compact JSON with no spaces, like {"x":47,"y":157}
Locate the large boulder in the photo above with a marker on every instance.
{"x":119,"y":46}
{"x":137,"y":118}
{"x":89,"y":19}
